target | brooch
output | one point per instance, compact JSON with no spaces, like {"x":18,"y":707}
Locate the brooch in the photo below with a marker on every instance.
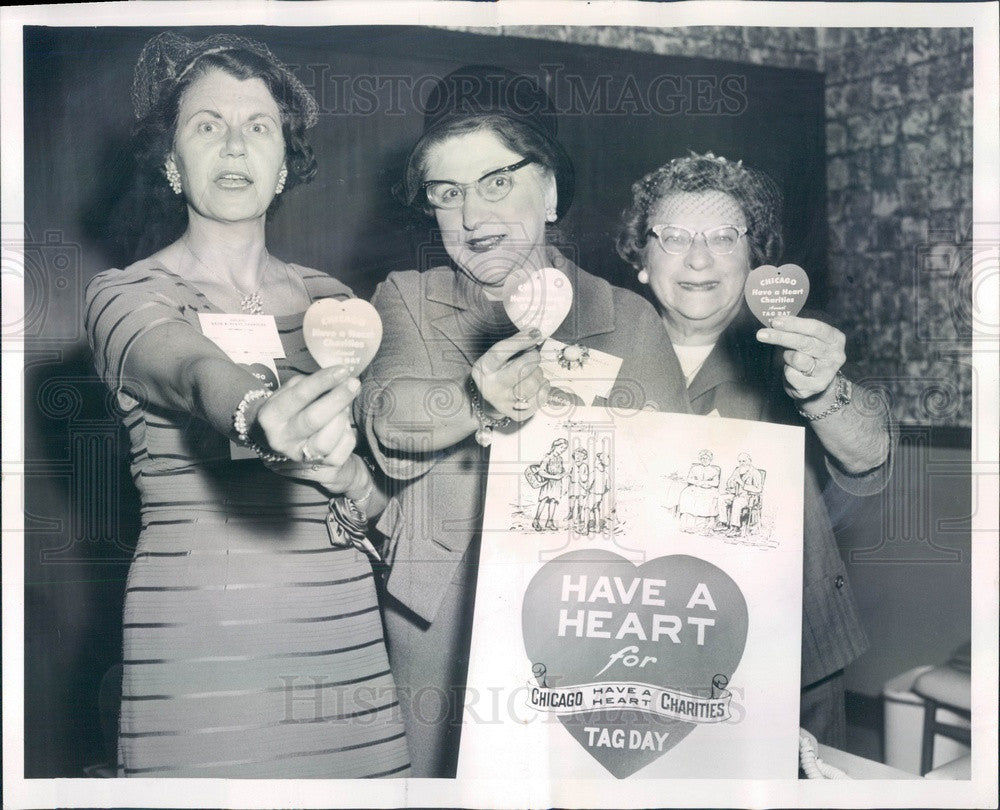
{"x":573,"y":356}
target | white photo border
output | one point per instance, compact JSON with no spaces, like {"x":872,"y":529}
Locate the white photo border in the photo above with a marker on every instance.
{"x":979,"y":792}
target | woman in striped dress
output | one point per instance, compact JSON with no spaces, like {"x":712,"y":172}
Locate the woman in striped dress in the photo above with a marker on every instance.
{"x":253,"y":645}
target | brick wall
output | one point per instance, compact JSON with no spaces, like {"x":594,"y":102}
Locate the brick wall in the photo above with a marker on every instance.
{"x":899,"y":141}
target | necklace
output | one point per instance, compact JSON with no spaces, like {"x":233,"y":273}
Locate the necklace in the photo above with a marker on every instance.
{"x":251,"y":303}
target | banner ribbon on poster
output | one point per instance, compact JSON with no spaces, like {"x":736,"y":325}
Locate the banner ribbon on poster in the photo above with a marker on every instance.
{"x":631,"y":696}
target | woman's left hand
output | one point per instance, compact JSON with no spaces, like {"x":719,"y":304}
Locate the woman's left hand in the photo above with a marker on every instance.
{"x":814,"y":353}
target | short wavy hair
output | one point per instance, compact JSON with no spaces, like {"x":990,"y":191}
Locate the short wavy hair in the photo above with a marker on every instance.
{"x":154,"y":132}
{"x":146,"y":215}
{"x":757,"y":194}
{"x":136,"y":213}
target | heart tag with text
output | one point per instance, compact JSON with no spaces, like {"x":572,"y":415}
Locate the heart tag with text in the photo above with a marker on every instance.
{"x":537,"y":299}
{"x":632,"y":659}
{"x":773,"y":291}
{"x":342,"y":333}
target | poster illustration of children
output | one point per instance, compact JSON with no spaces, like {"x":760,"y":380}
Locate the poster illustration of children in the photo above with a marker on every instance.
{"x":597,"y":500}
{"x":550,"y":471}
{"x":578,"y":490}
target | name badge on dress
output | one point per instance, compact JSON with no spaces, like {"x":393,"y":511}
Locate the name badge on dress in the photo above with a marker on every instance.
{"x":249,"y":340}
{"x":582,"y":371}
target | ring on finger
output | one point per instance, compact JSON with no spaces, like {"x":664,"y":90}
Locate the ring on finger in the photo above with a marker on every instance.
{"x":812,"y":368}
{"x":521,"y":404}
{"x":308,"y":455}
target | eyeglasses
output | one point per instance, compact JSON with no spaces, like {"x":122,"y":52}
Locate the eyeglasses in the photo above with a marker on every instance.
{"x":492,"y":186}
{"x":677,"y":240}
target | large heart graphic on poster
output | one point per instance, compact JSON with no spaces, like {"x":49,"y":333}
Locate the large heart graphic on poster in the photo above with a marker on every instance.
{"x":583,"y":609}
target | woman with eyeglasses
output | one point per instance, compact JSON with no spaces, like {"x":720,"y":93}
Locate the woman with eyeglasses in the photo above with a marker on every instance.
{"x":453,"y":368}
{"x":694,"y":230}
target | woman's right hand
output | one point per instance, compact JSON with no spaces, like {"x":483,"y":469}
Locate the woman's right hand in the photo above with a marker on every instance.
{"x":509,"y":376}
{"x":309,"y":418}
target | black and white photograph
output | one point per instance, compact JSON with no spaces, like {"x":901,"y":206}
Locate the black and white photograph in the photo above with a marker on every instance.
{"x":500,"y":404}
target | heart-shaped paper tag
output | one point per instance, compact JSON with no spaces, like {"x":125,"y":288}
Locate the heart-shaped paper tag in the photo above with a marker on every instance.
{"x":342,"y":333}
{"x":537,"y":299}
{"x":772,"y":291}
{"x":632,"y":659}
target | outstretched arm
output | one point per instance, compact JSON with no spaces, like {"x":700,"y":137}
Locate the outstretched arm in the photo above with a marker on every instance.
{"x":178,"y":368}
{"x":145,"y":346}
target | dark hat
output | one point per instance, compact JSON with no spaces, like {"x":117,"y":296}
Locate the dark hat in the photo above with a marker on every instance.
{"x":481,"y":90}
{"x":477,"y":90}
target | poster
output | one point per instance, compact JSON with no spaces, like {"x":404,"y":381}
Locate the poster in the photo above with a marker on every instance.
{"x":639,"y":610}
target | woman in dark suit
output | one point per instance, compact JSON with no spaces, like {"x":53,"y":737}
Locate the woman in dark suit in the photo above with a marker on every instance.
{"x":696,"y":227}
{"x":453,"y":368}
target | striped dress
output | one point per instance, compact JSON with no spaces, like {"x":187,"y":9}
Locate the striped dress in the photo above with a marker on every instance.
{"x":252,"y":647}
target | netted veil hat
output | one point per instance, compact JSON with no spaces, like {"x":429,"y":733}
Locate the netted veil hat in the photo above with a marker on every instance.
{"x":477,"y":91}
{"x":167,"y":57}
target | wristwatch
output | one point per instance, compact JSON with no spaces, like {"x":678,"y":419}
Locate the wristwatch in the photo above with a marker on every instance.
{"x":842,"y":397}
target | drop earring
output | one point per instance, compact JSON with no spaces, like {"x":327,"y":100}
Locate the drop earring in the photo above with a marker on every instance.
{"x":173,"y":176}
{"x":643,"y":277}
{"x":282,"y":177}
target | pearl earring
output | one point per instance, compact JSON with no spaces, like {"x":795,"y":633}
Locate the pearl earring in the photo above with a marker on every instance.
{"x":173,"y":176}
{"x":643,"y":277}
{"x":550,"y":215}
{"x":282,"y":177}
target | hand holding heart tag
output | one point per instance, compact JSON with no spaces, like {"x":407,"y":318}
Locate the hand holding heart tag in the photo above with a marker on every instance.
{"x":537,"y":299}
{"x":342,"y":333}
{"x":775,"y":291}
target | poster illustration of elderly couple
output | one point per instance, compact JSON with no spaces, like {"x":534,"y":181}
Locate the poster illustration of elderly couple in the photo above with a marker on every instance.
{"x":641,"y":615}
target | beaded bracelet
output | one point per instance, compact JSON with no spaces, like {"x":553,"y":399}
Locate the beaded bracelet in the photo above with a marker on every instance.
{"x":487,"y":423}
{"x":242,"y":430}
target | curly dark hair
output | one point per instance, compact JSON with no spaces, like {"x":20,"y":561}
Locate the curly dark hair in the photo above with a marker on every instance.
{"x":515,"y":135}
{"x":758,"y":196}
{"x":149,"y":214}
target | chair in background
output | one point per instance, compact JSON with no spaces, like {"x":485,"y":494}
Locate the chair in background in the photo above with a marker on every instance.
{"x":945,"y":688}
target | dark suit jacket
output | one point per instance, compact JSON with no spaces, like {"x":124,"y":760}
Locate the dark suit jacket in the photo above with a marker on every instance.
{"x":741,"y":379}
{"x":431,"y":330}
